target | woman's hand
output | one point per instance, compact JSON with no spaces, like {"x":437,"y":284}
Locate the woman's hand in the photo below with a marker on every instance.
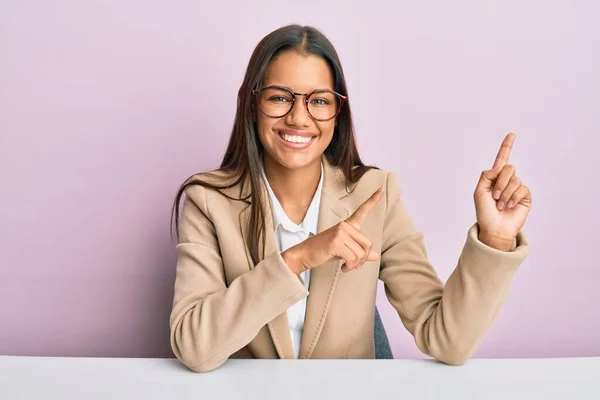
{"x":342,"y":241}
{"x":502,"y":201}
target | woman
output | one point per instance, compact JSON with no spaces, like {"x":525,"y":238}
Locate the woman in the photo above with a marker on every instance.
{"x":293,"y":210}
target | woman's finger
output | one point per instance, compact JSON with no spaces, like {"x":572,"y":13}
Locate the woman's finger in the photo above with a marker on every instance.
{"x":486,"y":180}
{"x":502,"y":181}
{"x":357,"y":218}
{"x":507,"y":193}
{"x":348,"y":256}
{"x":358,"y":251}
{"x":504,"y":152}
{"x":362,"y":239}
{"x":521,"y":195}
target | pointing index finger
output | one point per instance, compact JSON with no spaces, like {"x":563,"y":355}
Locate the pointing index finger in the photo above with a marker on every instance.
{"x":504,"y":152}
{"x":363,"y":210}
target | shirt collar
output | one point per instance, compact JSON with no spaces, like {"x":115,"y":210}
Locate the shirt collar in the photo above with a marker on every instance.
{"x":310,"y":222}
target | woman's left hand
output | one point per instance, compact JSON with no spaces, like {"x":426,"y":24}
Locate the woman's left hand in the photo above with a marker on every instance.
{"x":502,"y":201}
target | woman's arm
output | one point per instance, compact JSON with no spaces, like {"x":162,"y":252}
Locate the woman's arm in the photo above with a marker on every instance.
{"x":210,"y":320}
{"x":447,"y":322}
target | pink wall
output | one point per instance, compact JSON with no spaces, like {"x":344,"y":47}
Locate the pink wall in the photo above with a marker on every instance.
{"x":105,"y":107}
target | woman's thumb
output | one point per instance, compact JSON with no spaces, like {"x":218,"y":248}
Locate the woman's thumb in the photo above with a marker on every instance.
{"x":488,"y":177}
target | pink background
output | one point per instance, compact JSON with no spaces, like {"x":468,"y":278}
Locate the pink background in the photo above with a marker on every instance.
{"x":106,"y":106}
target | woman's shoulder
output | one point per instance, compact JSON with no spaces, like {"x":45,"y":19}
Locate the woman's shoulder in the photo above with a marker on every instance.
{"x":376,"y":177}
{"x":216,"y":177}
{"x":217,"y":182}
{"x":371,"y":172}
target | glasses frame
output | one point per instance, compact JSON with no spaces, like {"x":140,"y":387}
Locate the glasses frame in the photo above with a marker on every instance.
{"x":258,"y":92}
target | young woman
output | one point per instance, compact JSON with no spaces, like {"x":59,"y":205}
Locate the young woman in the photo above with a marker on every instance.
{"x":280,"y":249}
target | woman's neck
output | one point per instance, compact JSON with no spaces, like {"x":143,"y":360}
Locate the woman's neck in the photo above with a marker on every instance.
{"x":294,"y":188}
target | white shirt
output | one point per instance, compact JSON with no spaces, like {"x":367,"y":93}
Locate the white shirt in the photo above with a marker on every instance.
{"x":289,"y":234}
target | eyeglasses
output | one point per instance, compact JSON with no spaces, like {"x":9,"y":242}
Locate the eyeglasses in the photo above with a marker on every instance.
{"x":278,"y":101}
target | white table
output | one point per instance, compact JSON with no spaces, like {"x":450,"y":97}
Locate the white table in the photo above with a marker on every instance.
{"x":126,"y":378}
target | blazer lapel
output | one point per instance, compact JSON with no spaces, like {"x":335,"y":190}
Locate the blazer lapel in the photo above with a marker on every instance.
{"x":323,"y":278}
{"x":278,"y":327}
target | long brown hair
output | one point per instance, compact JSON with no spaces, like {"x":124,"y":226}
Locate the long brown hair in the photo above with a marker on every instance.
{"x":243,"y":156}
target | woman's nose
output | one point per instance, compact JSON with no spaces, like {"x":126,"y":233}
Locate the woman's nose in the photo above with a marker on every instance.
{"x":298,"y":115}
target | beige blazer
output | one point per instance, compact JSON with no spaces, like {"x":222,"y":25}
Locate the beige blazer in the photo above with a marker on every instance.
{"x":225,"y":307}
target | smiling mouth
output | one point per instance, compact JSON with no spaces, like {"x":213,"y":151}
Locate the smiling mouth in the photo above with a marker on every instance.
{"x":299,"y":140}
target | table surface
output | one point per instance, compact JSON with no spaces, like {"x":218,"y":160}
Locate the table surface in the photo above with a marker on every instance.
{"x":151,"y":378}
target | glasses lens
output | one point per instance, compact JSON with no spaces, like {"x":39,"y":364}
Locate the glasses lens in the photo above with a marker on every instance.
{"x":275,"y":102}
{"x":323,"y":105}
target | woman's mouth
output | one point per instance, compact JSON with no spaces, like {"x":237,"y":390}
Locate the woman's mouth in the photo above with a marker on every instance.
{"x":296,"y":141}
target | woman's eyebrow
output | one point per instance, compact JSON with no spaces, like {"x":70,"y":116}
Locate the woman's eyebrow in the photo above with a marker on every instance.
{"x":293,"y":91}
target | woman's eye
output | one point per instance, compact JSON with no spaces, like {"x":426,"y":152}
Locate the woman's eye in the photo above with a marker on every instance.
{"x":319,"y":102}
{"x":280,"y":99}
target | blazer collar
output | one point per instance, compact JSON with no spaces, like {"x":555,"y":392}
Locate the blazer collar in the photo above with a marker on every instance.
{"x":323,"y":278}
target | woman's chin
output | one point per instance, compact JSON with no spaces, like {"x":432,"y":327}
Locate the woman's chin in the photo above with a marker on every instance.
{"x":297,"y":161}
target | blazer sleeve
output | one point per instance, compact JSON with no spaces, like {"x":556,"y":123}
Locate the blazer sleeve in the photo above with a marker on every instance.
{"x":211,"y":320}
{"x":447,"y":322}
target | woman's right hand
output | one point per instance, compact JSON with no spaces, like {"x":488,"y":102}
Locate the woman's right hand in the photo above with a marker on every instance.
{"x":342,"y":241}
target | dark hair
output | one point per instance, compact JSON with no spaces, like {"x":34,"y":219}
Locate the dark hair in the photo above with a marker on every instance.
{"x":243,"y":155}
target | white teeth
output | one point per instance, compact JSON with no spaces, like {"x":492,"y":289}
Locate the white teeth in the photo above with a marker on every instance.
{"x":295,"y":139}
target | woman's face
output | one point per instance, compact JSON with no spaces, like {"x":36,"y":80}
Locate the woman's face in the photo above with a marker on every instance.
{"x":282,"y":138}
